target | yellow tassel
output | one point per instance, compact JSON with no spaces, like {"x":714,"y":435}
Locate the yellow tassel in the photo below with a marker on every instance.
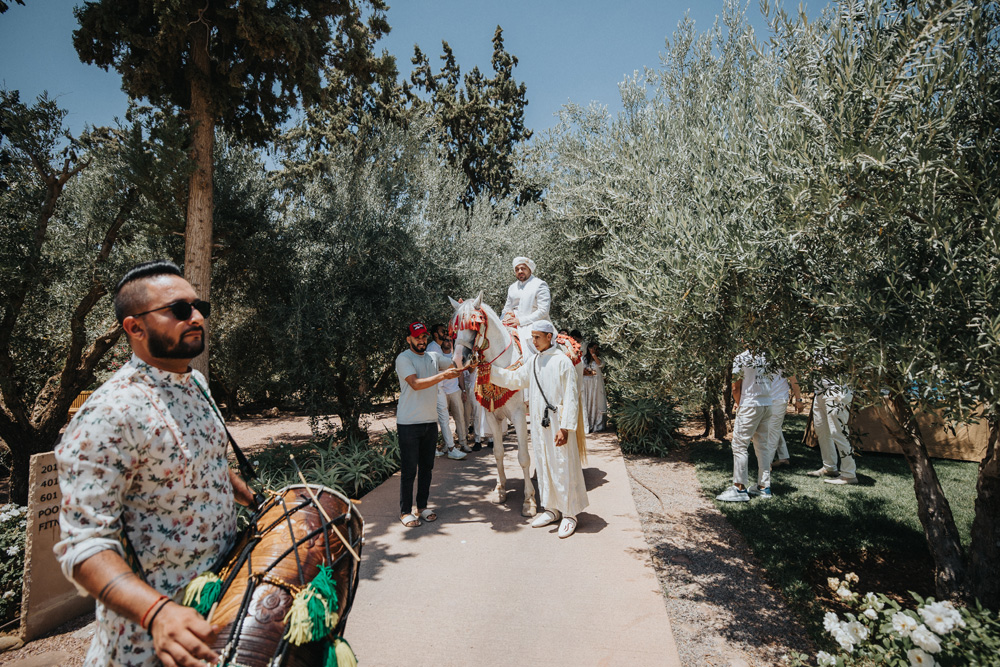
{"x":297,"y":620}
{"x":345,"y":656}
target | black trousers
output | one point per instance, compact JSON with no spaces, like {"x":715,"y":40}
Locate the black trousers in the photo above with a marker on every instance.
{"x":417,"y":443}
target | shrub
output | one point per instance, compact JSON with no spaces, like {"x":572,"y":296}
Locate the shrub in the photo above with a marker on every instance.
{"x":13,"y":521}
{"x":646,"y":425}
{"x":880,"y":632}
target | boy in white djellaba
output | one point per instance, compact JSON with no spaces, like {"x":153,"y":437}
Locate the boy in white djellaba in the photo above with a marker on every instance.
{"x":557,"y":436}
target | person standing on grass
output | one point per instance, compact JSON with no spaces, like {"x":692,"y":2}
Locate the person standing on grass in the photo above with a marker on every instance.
{"x":830,"y":412}
{"x":143,"y":474}
{"x":781,"y":389}
{"x":439,"y":333}
{"x":556,"y":427}
{"x":752,"y":395}
{"x":419,"y":372}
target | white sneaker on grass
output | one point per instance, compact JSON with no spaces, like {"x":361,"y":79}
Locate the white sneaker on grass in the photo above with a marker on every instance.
{"x":734,"y":495}
{"x":758,"y":492}
{"x":842,"y":480}
{"x":456,"y":454}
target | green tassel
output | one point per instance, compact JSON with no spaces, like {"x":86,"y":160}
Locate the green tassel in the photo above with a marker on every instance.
{"x":344,"y":655}
{"x":326,"y":585}
{"x":203,"y":592}
{"x":331,"y":655}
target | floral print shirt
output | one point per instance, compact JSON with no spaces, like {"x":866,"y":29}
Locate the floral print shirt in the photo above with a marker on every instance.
{"x":147,"y":447}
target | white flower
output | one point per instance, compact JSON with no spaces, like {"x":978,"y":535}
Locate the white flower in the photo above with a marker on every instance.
{"x":22,"y":524}
{"x":903,"y":624}
{"x":830,"y":621}
{"x":873,"y":602}
{"x":941,"y":617}
{"x":919,"y":658}
{"x":870,"y":613}
{"x":842,"y":637}
{"x":824,"y":659}
{"x":833,"y":583}
{"x":858,"y":632}
{"x":13,"y":551}
{"x":851,"y":578}
{"x":926,"y":639}
{"x":844,"y":592}
{"x":8,"y":594}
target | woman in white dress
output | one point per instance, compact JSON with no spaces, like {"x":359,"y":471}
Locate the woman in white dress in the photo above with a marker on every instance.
{"x":595,"y":400}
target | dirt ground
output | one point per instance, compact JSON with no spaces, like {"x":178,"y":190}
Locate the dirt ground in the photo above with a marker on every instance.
{"x":722,"y":611}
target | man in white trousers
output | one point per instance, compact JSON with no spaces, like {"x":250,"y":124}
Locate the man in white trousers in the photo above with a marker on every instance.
{"x":528,"y":301}
{"x":781,"y":389}
{"x":752,"y":395}
{"x":439,"y":333}
{"x":830,"y":412}
{"x":556,"y":428}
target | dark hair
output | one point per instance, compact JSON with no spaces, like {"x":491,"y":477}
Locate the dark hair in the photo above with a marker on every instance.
{"x":437,"y":327}
{"x":576,"y":333}
{"x":587,"y":356}
{"x":129,"y":295}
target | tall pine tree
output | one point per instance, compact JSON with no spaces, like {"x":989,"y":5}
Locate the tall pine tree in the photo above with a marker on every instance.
{"x":241,"y":65}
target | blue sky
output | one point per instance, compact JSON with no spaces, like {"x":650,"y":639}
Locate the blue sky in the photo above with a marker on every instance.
{"x":567,"y":50}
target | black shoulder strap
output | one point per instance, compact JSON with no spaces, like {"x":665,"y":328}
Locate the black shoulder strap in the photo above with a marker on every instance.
{"x":246,"y":469}
{"x":534,"y":369}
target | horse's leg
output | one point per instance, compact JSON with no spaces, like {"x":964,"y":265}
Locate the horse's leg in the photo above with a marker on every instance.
{"x":493,"y":422}
{"x":529,"y":507}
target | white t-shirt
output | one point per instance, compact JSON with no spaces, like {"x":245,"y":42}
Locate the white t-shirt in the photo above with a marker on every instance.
{"x":756,"y":390}
{"x":418,"y":407}
{"x":445,"y":386}
{"x":779,"y":387}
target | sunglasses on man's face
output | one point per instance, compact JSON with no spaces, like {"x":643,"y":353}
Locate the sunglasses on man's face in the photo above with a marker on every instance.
{"x":182,"y":309}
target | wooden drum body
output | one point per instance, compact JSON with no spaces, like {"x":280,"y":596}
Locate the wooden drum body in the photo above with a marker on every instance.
{"x":277,"y":557}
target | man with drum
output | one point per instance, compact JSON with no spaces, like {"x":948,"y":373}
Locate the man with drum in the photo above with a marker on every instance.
{"x":143,"y":475}
{"x":419,"y":372}
{"x":528,"y":300}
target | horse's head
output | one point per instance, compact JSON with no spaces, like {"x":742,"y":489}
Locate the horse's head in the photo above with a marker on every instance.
{"x":467,"y":324}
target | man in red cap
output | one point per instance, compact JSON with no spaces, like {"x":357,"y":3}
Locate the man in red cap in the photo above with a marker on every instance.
{"x":416,"y":420}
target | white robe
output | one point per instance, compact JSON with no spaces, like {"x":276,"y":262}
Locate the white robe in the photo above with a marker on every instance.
{"x":530,"y":300}
{"x":560,"y":474}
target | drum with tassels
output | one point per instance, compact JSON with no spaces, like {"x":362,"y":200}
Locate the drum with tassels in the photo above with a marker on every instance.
{"x":283,"y":593}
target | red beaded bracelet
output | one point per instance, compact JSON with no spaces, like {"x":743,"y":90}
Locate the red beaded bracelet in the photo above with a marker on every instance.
{"x":160,"y":599}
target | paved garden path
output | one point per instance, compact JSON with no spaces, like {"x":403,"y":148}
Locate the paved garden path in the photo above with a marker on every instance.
{"x":480,"y":587}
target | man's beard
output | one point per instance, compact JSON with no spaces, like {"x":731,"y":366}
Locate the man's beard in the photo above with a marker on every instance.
{"x":419,"y":348}
{"x":160,"y":348}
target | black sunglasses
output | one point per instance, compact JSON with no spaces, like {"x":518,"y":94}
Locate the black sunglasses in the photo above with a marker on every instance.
{"x":182,"y":309}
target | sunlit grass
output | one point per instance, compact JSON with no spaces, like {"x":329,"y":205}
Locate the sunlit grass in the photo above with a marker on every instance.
{"x":809,"y":522}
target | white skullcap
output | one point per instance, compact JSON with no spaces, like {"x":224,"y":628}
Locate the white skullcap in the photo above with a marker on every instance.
{"x":543,"y":326}
{"x":524,"y":260}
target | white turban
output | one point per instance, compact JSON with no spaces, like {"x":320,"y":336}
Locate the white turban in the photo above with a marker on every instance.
{"x":524,"y":260}
{"x":543,"y":326}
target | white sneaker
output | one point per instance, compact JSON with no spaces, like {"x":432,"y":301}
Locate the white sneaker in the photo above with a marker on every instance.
{"x":456,"y":454}
{"x":842,"y":480}
{"x":734,"y":495}
{"x":823,"y":472}
{"x":438,"y":452}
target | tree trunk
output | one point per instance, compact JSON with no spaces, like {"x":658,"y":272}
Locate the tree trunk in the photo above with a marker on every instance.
{"x":198,"y":230}
{"x":984,"y":550}
{"x":706,"y":415}
{"x":719,"y":422}
{"x":933,"y":508}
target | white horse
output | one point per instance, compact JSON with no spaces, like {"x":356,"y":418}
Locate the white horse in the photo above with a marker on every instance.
{"x":481,"y":336}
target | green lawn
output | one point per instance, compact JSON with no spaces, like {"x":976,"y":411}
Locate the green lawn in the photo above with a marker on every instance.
{"x":811,"y":530}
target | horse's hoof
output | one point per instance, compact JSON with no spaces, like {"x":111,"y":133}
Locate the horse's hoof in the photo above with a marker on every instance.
{"x":499,"y":495}
{"x":528,"y":509}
